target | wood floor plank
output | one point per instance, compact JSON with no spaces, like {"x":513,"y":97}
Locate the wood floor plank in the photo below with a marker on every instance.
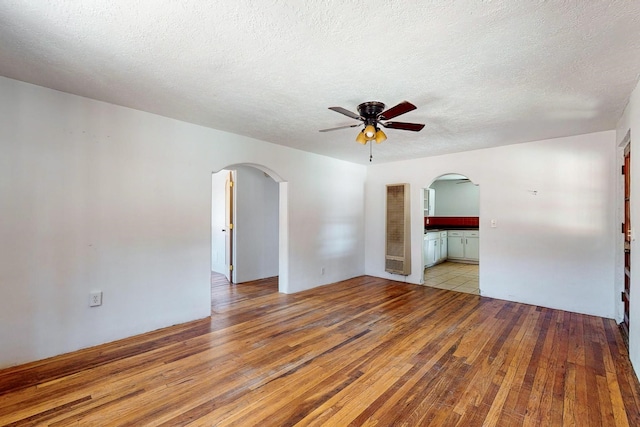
{"x":366,"y":351}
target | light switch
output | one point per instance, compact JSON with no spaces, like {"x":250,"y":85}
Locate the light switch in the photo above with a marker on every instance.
{"x":494,"y":223}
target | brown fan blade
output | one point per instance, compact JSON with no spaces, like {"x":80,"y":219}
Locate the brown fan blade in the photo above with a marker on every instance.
{"x":345,"y":112}
{"x":416,"y":127}
{"x":403,"y":107}
{"x":341,"y":127}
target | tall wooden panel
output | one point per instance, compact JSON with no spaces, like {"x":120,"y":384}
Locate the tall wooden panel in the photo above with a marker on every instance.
{"x":398,"y":225}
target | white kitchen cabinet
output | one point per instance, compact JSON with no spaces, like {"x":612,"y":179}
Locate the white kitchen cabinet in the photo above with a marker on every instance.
{"x":443,"y":246}
{"x":435,"y":247}
{"x":472,"y":245}
{"x":429,"y":201}
{"x":464,"y":245}
{"x":431,"y":248}
{"x":455,"y":240}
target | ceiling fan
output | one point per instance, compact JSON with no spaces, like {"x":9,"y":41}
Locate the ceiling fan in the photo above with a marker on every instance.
{"x":463,"y":181}
{"x":372,"y":114}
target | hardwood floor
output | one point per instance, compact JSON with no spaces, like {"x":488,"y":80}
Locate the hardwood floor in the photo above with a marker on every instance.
{"x":365,"y":351}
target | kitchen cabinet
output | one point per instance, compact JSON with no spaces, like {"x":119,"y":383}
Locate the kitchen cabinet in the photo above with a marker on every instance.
{"x":464,"y":245}
{"x":435,"y":247}
{"x":429,"y":201}
{"x":472,"y":245}
{"x":443,"y":245}
{"x":431,"y":248}
{"x":455,"y":244}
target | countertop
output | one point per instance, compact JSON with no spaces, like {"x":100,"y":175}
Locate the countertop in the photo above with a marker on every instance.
{"x":436,"y":230}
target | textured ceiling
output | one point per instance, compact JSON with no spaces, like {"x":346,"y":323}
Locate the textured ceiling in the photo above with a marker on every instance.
{"x":482,"y":73}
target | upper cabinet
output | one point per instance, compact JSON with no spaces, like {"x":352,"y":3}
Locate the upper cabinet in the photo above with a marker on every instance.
{"x":429,"y":201}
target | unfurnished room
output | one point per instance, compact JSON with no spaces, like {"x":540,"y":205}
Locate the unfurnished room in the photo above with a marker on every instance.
{"x":319,"y":213}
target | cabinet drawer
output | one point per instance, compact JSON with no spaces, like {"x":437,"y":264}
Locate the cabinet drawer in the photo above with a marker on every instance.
{"x":443,"y":234}
{"x":455,"y":233}
{"x":472,"y":233}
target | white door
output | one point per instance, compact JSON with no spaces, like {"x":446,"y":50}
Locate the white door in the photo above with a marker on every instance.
{"x":218,"y":222}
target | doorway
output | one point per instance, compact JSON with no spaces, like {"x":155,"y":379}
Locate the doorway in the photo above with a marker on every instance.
{"x":247,"y":236}
{"x":451,"y":240}
{"x":221,"y":223}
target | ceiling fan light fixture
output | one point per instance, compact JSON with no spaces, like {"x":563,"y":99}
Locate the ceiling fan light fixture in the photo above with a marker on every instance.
{"x":372,"y":115}
{"x":370,"y":132}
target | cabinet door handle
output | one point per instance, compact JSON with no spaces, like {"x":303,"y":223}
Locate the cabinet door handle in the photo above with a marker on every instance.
{"x":466,"y":241}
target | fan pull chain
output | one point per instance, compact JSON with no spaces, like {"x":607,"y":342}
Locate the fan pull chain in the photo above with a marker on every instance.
{"x":370,"y":151}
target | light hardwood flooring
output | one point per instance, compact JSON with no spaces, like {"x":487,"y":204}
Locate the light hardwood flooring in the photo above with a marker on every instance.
{"x":453,"y":276}
{"x":362,"y":352}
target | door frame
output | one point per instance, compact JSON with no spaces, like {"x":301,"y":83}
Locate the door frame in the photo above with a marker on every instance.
{"x":283,"y":222}
{"x":621,"y":237}
{"x":422,"y":200}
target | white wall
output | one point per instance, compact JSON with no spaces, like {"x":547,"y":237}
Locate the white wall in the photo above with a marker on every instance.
{"x":256,"y":227}
{"x":218,"y":221}
{"x":95,"y":196}
{"x":630,"y":123}
{"x":455,"y":198}
{"x":554,"y":249}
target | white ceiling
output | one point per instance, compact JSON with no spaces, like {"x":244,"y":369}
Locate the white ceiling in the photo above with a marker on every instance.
{"x":482,"y":73}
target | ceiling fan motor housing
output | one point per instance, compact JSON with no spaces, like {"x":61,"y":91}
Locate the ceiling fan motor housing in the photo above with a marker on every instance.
{"x":370,"y":111}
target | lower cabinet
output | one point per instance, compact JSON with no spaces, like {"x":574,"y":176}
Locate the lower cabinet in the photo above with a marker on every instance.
{"x":444,"y":244}
{"x":431,"y":249}
{"x":464,"y":245}
{"x":435,"y":247}
{"x":472,"y":246}
{"x":456,"y":244}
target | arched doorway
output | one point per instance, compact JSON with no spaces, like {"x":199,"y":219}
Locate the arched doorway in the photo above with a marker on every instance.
{"x":451,"y":240}
{"x":257,"y":240}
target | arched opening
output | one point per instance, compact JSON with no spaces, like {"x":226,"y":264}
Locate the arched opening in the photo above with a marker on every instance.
{"x":451,"y":241}
{"x":249,"y":224}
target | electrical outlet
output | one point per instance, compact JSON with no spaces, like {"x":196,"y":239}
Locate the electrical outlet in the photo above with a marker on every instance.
{"x":95,"y":299}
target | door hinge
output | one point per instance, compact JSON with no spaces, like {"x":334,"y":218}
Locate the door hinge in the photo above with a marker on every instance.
{"x":231,"y":183}
{"x":622,"y":296}
{"x":622,"y":228}
{"x":622,"y":169}
{"x":231,"y":227}
{"x":230,"y":267}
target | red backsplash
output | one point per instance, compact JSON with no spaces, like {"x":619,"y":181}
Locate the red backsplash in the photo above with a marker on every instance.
{"x":452,"y":222}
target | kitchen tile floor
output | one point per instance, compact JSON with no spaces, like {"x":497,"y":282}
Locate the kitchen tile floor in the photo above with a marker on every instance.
{"x":453,"y":276}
